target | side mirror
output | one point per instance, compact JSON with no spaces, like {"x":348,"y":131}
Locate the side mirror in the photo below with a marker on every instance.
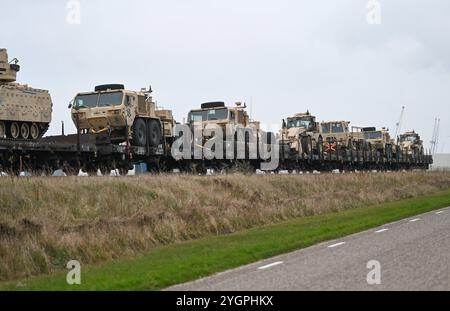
{"x":70,"y":106}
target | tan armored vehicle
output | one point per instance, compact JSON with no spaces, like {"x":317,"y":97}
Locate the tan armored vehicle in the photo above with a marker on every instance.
{"x":377,"y":140}
{"x":125,"y":115}
{"x":25,"y":112}
{"x":218,"y":113}
{"x":337,"y":134}
{"x":300,"y":133}
{"x":411,"y":143}
{"x":231,"y":118}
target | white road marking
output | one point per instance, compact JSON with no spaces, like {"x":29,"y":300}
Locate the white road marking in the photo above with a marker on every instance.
{"x":381,"y":230}
{"x":440,"y":212}
{"x":414,"y":220}
{"x":337,"y":244}
{"x":270,"y":265}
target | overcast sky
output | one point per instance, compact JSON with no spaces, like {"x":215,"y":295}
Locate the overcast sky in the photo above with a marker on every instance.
{"x":283,"y":56}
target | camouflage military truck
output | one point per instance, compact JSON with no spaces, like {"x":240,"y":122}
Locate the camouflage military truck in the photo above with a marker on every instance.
{"x":125,"y":115}
{"x":25,"y":112}
{"x":299,"y":134}
{"x":378,"y":140}
{"x":411,"y":144}
{"x":218,"y":113}
{"x":337,"y":135}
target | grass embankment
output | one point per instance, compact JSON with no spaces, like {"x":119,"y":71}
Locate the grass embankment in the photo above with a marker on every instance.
{"x":45,"y":222}
{"x":186,"y":261}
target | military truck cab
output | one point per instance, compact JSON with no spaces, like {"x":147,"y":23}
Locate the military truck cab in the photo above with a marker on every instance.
{"x":411,"y":143}
{"x":125,"y":115}
{"x":336,"y":134}
{"x":218,"y":113}
{"x":298,"y":133}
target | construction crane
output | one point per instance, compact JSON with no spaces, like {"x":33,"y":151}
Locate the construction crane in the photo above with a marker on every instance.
{"x":399,"y":123}
{"x":435,"y":138}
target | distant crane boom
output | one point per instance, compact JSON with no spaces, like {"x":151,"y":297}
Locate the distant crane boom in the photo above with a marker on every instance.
{"x":398,"y":125}
{"x":435,"y":138}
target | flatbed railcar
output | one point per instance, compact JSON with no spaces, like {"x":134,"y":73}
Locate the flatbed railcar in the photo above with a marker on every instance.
{"x":91,"y":153}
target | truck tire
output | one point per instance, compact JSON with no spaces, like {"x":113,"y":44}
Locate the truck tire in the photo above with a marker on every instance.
{"x":154,"y":133}
{"x":139,"y":133}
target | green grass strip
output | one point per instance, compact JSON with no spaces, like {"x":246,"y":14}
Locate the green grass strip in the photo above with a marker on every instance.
{"x":181,"y":262}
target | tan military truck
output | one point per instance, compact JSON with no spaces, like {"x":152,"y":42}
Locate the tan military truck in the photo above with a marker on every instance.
{"x":377,"y":140}
{"x":218,"y":113}
{"x":25,"y":112}
{"x":299,"y":133}
{"x":226,"y":117}
{"x":125,"y":115}
{"x":411,"y":143}
{"x":337,"y":135}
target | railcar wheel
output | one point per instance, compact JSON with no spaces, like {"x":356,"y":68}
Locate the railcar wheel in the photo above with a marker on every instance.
{"x":14,"y":130}
{"x":25,"y":130}
{"x":2,"y":129}
{"x":123,"y":171}
{"x":34,"y":131}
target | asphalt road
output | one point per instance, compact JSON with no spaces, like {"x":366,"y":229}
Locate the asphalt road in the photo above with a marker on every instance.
{"x":413,"y":254}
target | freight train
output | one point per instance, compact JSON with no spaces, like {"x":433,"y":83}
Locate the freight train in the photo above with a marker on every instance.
{"x":119,"y":128}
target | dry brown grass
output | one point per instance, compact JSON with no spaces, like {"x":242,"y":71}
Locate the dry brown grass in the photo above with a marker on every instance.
{"x":44,"y":222}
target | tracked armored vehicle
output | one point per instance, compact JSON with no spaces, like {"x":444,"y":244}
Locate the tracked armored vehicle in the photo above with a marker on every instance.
{"x":25,"y":112}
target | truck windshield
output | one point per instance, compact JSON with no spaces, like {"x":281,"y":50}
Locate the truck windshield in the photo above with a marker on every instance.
{"x":217,"y":114}
{"x":195,"y":116}
{"x":304,"y":123}
{"x":208,"y":115}
{"x":86,"y":101}
{"x":337,"y":128}
{"x":408,"y":138}
{"x":325,"y":128}
{"x":373,"y":135}
{"x":98,"y":100}
{"x":110,"y":99}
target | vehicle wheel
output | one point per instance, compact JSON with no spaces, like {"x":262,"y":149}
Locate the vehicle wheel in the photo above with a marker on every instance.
{"x":139,"y":132}
{"x":14,"y":130}
{"x":25,"y":130}
{"x":105,"y":170}
{"x":2,"y":129}
{"x":34,"y":131}
{"x":123,"y":171}
{"x":154,"y":133}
